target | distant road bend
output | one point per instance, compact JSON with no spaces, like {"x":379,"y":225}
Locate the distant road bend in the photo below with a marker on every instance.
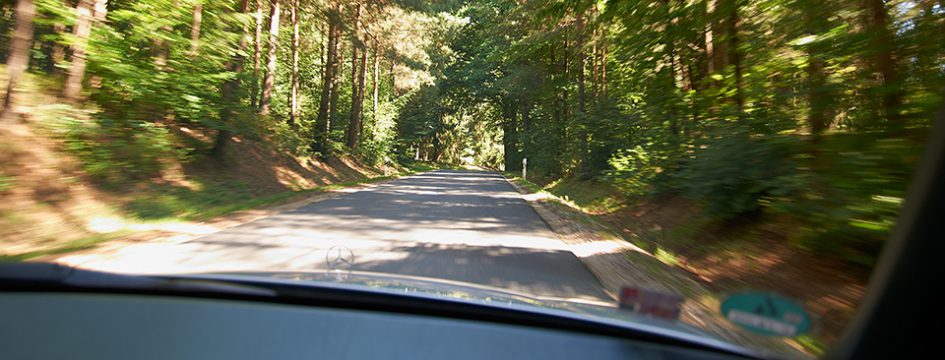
{"x":458,"y":225}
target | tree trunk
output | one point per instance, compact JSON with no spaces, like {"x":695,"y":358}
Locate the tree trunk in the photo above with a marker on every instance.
{"x":393,"y":81}
{"x":58,"y":52}
{"x":72,"y":90}
{"x":257,"y":55}
{"x":377,"y":74}
{"x":526,"y":124}
{"x":354,"y":72}
{"x":338,"y":79}
{"x":557,"y":118}
{"x":603,"y":70}
{"x":675,"y":81}
{"x":322,"y":123}
{"x":819,"y":116}
{"x":818,"y":96}
{"x":19,"y":56}
{"x":721,"y":45}
{"x":735,"y":57}
{"x":362,"y":92}
{"x":322,"y":50}
{"x":161,"y":49}
{"x":294,"y":94}
{"x":437,"y":146}
{"x":195,"y":29}
{"x":99,"y":13}
{"x":354,"y":122}
{"x":354,"y":114}
{"x":579,"y":45}
{"x":100,"y":10}
{"x":719,"y":24}
{"x":585,"y":162}
{"x":510,"y":134}
{"x":594,"y":75}
{"x":566,"y":70}
{"x":884,"y":64}
{"x":270,"y":79}
{"x":709,"y":37}
{"x":229,"y":92}
{"x":703,"y":60}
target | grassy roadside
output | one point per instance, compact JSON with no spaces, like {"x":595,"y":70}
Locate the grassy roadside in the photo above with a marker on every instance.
{"x":194,"y":209}
{"x":579,"y":203}
{"x":421,"y":166}
{"x":190,"y":206}
{"x":83,"y":243}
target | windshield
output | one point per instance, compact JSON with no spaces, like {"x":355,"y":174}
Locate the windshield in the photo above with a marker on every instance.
{"x":733,"y":166}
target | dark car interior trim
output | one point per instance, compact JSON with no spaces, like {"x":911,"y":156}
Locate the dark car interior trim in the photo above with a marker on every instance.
{"x":341,"y":298}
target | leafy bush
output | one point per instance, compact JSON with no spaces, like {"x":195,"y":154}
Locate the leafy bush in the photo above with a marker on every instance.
{"x":734,"y":174}
{"x":379,"y":136}
{"x":632,"y":171}
{"x":112,"y":150}
{"x":283,"y":136}
{"x":854,"y":187}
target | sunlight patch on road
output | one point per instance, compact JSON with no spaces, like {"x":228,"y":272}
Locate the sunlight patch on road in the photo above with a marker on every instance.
{"x":166,"y":258}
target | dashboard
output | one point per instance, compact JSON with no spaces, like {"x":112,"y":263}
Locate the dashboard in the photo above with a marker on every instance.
{"x":121,"y":326}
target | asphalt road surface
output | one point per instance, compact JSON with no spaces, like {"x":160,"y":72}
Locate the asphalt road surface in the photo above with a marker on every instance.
{"x":466,"y":226}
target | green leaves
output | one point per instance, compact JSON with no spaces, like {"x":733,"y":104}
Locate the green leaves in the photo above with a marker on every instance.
{"x":633,"y":171}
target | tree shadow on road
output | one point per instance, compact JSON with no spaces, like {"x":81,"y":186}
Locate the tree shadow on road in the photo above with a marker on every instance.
{"x":554,"y":273}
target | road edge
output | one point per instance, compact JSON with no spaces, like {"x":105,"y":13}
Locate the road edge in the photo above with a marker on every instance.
{"x":606,"y":257}
{"x":565,"y":230}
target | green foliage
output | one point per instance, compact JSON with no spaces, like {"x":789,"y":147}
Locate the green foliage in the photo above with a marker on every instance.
{"x":589,"y":196}
{"x":733,"y":174}
{"x":380,"y":137}
{"x":6,"y":182}
{"x":176,"y":202}
{"x":112,"y":150}
{"x":215,"y":199}
{"x":147,"y":69}
{"x":853,"y":189}
{"x":633,"y":171}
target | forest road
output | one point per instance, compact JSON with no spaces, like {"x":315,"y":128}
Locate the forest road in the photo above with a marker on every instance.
{"x":460,"y":225}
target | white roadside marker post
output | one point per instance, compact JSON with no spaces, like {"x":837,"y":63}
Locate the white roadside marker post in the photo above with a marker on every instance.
{"x":524,"y":167}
